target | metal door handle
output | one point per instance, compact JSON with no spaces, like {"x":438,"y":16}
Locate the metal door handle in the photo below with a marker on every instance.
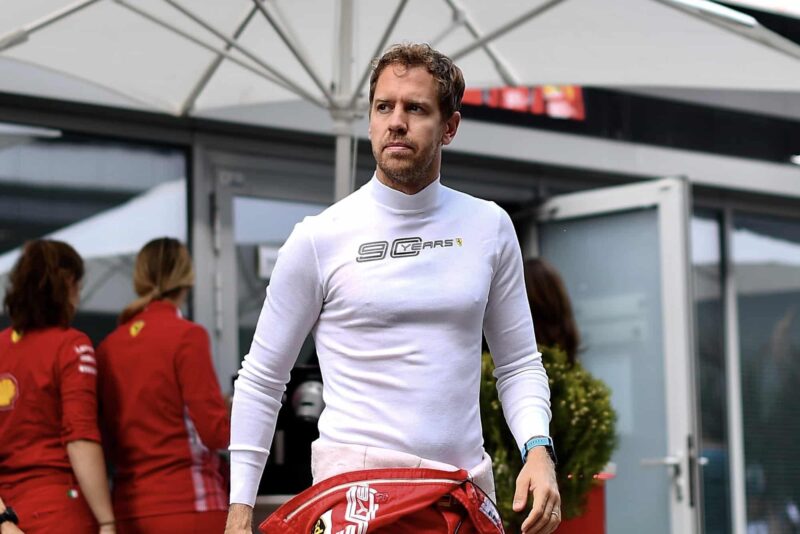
{"x":674,"y":465}
{"x":669,"y":461}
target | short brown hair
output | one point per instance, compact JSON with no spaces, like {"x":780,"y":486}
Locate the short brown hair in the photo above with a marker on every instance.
{"x":163,"y":268}
{"x":38,"y":294}
{"x":448,"y":77}
{"x":550,"y":308}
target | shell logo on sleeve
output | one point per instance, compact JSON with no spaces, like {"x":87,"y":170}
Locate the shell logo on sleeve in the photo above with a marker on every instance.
{"x":16,"y":337}
{"x":136,"y":328}
{"x":9,"y":391}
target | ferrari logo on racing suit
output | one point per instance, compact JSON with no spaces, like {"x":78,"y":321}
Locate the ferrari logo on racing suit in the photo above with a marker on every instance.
{"x":361,"y":509}
{"x":136,"y":328}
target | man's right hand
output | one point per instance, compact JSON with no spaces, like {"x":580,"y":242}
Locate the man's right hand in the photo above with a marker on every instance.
{"x":240,"y":519}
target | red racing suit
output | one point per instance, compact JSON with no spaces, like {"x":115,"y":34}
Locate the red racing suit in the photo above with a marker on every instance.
{"x":163,"y":416}
{"x":47,"y":400}
{"x":389,"y":501}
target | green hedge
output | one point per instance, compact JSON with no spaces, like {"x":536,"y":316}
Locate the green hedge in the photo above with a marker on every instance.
{"x":582,"y":427}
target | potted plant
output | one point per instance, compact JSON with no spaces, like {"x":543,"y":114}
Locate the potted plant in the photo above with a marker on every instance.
{"x":582,"y":428}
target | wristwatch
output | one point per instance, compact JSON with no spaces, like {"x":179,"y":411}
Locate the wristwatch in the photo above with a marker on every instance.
{"x":539,"y":441}
{"x":9,"y":515}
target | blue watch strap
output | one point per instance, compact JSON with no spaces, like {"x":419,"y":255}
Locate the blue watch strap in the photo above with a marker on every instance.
{"x":537,"y":441}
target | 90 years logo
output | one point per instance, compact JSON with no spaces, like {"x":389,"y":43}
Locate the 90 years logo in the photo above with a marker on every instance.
{"x":403,"y":247}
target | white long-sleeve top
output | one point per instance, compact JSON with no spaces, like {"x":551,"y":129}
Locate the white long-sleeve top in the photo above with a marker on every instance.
{"x":396,"y":289}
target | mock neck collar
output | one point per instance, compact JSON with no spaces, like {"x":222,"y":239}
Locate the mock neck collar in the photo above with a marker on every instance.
{"x":397,"y":200}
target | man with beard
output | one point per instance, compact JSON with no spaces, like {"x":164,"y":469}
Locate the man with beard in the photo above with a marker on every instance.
{"x":396,"y":282}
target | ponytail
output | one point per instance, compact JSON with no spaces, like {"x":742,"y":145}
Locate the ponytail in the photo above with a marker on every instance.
{"x":163,"y":269}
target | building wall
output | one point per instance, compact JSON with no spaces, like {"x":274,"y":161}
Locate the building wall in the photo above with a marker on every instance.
{"x":106,"y":160}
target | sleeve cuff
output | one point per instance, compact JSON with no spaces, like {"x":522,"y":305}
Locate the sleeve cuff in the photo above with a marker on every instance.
{"x":247,"y":466}
{"x":537,"y":425}
{"x":85,"y":434}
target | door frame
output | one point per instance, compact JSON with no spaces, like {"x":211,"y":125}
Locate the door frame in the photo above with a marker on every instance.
{"x":222,"y":173}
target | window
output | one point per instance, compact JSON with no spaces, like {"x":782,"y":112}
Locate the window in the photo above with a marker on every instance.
{"x":766,"y":257}
{"x":711,"y":384}
{"x":105,"y":198}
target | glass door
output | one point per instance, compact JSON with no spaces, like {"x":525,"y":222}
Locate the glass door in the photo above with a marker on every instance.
{"x":624,"y":255}
{"x":258,"y":203}
{"x":260,"y":227}
{"x":254,"y":203}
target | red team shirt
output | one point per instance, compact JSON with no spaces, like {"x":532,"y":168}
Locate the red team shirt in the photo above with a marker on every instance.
{"x":47,"y":399}
{"x":163,"y":415}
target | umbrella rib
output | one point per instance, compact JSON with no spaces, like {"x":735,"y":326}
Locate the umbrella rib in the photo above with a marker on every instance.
{"x":283,"y":21}
{"x":457,"y":22}
{"x":202,"y":82}
{"x":298,"y":55}
{"x":775,"y":41}
{"x":209,"y":47}
{"x":381,"y":44}
{"x":146,"y":103}
{"x":295,"y":88}
{"x":753,"y":30}
{"x":510,"y":26}
{"x":499,"y":64}
{"x":21,"y":35}
{"x":715,"y":10}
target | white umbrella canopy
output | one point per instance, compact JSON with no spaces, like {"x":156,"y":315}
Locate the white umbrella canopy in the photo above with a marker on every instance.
{"x":195,"y":58}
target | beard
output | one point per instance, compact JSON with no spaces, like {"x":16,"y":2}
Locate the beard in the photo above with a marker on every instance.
{"x":411,"y":169}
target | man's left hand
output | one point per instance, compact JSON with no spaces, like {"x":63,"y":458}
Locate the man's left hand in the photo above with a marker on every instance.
{"x":538,"y":476}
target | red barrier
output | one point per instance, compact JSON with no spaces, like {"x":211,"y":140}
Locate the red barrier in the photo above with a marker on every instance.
{"x":593,"y":520}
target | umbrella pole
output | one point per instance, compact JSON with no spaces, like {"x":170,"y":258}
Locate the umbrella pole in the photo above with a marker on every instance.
{"x":344,"y":183}
{"x":343,"y":117}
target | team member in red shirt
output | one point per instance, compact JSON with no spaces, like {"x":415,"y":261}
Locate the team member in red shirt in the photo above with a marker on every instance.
{"x":162,"y":411}
{"x":51,"y":463}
